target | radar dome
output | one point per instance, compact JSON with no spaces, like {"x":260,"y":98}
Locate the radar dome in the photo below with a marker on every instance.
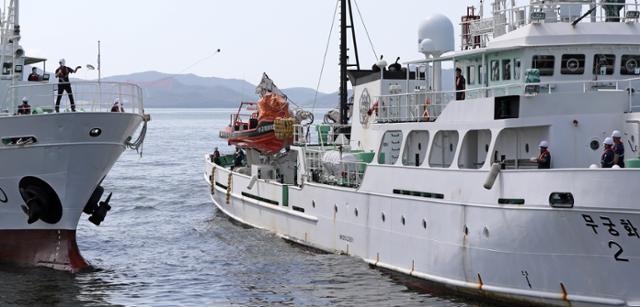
{"x":435,"y":35}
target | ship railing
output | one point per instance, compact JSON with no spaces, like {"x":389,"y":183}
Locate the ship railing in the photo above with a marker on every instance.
{"x":322,"y":135}
{"x":331,"y":167}
{"x":427,"y":106}
{"x":88,"y":97}
{"x":506,"y":19}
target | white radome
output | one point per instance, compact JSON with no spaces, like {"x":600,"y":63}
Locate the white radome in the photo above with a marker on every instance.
{"x":438,"y":30}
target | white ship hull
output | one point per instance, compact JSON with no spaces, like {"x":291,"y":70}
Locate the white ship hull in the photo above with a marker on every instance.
{"x":69,"y":160}
{"x":523,"y":253}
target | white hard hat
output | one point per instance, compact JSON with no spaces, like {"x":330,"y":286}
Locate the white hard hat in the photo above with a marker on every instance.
{"x":608,"y":141}
{"x":25,"y":99}
{"x":62,"y":62}
{"x":616,"y":134}
{"x":544,"y":144}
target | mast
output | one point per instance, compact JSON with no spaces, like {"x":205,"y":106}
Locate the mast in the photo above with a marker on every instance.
{"x":344,"y":57}
{"x":343,"y":63}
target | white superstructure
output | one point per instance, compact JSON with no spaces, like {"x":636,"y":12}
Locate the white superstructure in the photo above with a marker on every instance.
{"x":52,"y":164}
{"x":443,"y":187}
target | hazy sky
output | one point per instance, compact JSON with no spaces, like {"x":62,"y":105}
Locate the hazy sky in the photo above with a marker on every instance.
{"x":285,"y":38}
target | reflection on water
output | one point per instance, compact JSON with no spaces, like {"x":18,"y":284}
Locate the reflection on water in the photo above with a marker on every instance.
{"x":163,"y":243}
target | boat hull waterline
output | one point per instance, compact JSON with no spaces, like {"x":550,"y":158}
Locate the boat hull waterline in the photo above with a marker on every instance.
{"x":499,"y":261}
{"x":67,"y":162}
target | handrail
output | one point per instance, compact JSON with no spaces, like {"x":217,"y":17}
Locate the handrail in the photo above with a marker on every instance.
{"x":428,"y":105}
{"x":506,"y":19}
{"x":89,"y":96}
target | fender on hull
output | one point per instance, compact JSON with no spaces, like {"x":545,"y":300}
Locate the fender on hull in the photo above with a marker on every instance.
{"x":52,"y":248}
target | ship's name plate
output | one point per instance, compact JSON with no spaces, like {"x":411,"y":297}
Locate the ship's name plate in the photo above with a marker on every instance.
{"x":346,"y":238}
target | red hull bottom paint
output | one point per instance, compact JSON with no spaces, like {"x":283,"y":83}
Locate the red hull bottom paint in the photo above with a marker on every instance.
{"x":56,"y":249}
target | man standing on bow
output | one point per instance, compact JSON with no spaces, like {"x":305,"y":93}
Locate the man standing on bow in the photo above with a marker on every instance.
{"x":62,"y":73}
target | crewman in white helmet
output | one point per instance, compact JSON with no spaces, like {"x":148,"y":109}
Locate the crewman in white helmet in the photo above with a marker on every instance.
{"x":24,"y":108}
{"x":544,"y":159}
{"x":606,"y":160}
{"x":62,"y":73}
{"x":618,"y":148}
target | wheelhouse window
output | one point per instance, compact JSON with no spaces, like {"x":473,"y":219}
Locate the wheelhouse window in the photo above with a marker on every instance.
{"x":517,"y":69}
{"x":506,"y":69}
{"x":471,"y":75}
{"x":495,"y":70}
{"x":6,"y":68}
{"x":415,"y":148}
{"x":544,"y":64}
{"x":603,"y":64}
{"x":629,"y":65}
{"x":443,"y":148}
{"x":572,"y":64}
{"x":390,"y":147}
{"x":481,"y":75}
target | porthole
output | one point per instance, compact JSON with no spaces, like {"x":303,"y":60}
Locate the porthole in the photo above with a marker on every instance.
{"x":594,"y":145}
{"x":313,"y":203}
{"x":424,"y":224}
{"x":466,"y":230}
{"x":561,"y":200}
{"x":95,"y":132}
{"x":526,"y":148}
{"x":383,"y":217}
{"x":335,"y":208}
{"x":355,"y":212}
{"x":403,"y":220}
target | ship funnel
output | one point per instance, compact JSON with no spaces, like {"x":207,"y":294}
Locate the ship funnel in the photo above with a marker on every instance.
{"x":435,"y":36}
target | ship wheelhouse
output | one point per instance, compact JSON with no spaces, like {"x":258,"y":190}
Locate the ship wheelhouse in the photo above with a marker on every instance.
{"x":569,"y":84}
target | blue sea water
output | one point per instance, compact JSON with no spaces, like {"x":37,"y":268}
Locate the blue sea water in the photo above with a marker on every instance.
{"x":165,"y":244}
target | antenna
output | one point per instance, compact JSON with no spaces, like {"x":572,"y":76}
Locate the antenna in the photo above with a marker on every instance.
{"x":99,"y":66}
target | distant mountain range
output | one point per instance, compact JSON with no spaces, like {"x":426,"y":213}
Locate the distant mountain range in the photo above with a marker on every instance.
{"x":164,"y":90}
{"x":191,"y":91}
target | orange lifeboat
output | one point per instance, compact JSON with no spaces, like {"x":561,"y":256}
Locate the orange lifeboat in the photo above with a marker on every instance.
{"x":259,"y":131}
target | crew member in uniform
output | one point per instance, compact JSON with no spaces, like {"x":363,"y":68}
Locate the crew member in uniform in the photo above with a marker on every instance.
{"x":460,"y":84}
{"x":62,"y":73}
{"x":24,"y":108}
{"x":618,"y":149}
{"x":606,"y":161}
{"x":544,"y":159}
{"x":215,"y":158}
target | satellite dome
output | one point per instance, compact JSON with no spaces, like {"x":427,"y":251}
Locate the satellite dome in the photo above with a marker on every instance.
{"x":435,"y":35}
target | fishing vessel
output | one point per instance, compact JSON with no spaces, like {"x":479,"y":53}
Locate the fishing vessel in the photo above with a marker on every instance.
{"x":446,"y":185}
{"x":53,"y":163}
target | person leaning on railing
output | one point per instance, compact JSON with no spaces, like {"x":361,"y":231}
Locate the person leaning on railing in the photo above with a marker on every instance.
{"x":62,"y":73}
